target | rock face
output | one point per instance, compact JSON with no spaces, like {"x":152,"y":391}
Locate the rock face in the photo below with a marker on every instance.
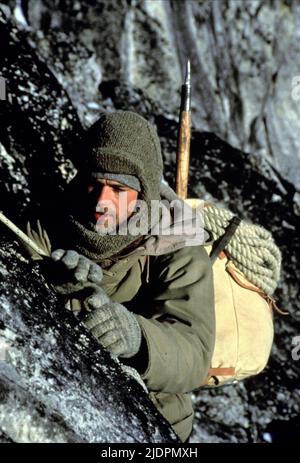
{"x":88,"y":56}
{"x":244,"y":60}
{"x":56,"y":384}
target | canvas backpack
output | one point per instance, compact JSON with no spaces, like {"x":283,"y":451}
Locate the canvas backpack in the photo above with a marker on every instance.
{"x":244,"y":325}
{"x":244,"y":317}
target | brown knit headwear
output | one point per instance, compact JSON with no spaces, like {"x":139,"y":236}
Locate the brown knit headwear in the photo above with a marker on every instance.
{"x":122,"y":142}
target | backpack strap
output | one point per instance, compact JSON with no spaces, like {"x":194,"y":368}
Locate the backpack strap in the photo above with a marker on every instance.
{"x":213,"y":374}
{"x":221,"y":243}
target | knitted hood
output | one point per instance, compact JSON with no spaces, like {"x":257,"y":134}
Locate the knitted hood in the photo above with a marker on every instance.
{"x":124,"y":143}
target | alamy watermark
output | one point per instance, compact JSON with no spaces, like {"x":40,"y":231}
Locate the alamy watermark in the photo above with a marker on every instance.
{"x":2,"y":88}
{"x":296,"y":350}
{"x":160,"y":217}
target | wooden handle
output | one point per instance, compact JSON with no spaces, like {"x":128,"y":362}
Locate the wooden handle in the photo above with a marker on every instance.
{"x":183,"y":155}
{"x":9,"y":224}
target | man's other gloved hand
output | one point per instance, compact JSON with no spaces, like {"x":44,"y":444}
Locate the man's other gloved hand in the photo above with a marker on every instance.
{"x":114,"y":326}
{"x":78,"y":271}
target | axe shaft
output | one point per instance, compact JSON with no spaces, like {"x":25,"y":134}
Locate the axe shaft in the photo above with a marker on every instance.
{"x":21,"y":235}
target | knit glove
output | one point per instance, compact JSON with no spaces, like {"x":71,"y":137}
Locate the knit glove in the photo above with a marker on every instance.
{"x":75,"y":271}
{"x":114,"y":326}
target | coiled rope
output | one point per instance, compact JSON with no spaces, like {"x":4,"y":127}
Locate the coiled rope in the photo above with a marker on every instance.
{"x":252,"y":248}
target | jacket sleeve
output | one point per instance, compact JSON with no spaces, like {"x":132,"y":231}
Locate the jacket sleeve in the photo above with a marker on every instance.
{"x":180,"y":332}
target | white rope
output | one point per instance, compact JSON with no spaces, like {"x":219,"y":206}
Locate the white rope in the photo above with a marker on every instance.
{"x":251,"y":248}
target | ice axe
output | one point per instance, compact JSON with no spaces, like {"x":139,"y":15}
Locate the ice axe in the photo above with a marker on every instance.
{"x":184,"y":136}
{"x":42,"y":253}
{"x":38,"y":247}
{"x":184,"y":141}
{"x":36,"y":252}
{"x":22,"y":236}
{"x":183,"y":162}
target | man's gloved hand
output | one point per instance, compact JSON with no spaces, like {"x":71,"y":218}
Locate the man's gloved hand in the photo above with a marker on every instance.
{"x":79,"y":271}
{"x":114,"y":327}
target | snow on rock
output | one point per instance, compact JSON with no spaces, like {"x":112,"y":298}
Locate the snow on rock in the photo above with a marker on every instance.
{"x":53,"y":386}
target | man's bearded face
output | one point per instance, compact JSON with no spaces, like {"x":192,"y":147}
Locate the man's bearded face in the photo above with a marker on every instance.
{"x":108,"y":203}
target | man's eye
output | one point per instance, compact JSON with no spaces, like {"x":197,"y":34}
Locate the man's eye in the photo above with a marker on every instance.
{"x":119,"y":189}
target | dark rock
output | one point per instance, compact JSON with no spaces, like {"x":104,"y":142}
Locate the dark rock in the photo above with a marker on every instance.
{"x":56,"y":383}
{"x":37,"y":126}
{"x":285,"y":431}
{"x":53,"y":386}
{"x":244,"y":60}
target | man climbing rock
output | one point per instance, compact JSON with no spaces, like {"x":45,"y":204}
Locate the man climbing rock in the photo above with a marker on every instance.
{"x":152,"y":302}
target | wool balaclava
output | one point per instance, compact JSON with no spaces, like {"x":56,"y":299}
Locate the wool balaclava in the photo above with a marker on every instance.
{"x":118,"y":145}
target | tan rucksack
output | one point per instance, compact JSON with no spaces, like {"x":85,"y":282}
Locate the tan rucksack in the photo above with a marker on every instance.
{"x":244,"y":322}
{"x":244,"y":325}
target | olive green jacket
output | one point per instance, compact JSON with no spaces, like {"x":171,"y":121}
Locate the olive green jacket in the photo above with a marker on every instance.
{"x":169,"y":286}
{"x":172,"y":297}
